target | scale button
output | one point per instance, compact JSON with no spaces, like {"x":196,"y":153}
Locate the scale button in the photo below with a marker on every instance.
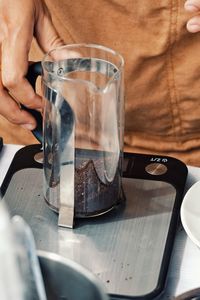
{"x":39,"y":157}
{"x":156,"y":169}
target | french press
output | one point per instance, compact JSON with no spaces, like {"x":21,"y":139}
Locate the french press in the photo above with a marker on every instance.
{"x":83,"y":125}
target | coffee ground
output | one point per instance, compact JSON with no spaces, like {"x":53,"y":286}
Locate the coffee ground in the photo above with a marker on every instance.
{"x":92,"y":196}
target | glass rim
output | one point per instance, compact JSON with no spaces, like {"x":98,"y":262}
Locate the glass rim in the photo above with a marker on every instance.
{"x":70,"y":46}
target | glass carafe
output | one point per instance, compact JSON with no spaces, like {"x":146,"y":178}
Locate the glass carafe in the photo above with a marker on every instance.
{"x":82,"y":130}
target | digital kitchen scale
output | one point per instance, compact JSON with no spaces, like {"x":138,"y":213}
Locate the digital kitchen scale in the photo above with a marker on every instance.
{"x":128,"y":248}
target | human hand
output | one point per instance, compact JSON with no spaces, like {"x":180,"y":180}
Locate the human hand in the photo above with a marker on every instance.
{"x":20,"y":21}
{"x":193,"y":25}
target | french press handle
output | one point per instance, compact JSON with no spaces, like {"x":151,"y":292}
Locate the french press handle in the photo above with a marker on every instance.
{"x":34,"y":71}
{"x":66,"y":113}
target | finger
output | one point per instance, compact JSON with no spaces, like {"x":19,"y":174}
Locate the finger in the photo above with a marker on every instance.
{"x":192,"y":5}
{"x":48,"y":39}
{"x":12,"y":112}
{"x":46,"y":33}
{"x":193,"y":25}
{"x":14,"y":68}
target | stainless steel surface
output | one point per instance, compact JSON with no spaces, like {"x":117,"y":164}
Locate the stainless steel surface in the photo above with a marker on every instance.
{"x":124,"y":248}
{"x":58,"y":136}
{"x":156,"y":169}
{"x":66,"y":280}
{"x":39,"y":157}
{"x":66,"y":187}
